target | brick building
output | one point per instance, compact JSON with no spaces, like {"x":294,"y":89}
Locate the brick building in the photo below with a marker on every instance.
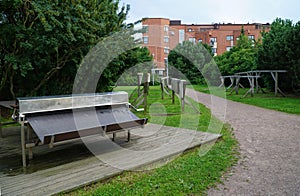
{"x":160,"y":35}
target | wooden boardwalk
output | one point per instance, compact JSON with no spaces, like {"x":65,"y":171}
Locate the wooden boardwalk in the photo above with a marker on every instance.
{"x":79,"y":163}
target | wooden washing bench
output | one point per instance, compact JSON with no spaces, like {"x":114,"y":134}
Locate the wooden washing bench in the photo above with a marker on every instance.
{"x":55,"y":119}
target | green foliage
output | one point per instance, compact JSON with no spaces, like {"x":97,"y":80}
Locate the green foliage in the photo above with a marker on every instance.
{"x":241,"y":57}
{"x":280,"y":50}
{"x":189,"y":59}
{"x":43,"y":42}
{"x":125,"y":67}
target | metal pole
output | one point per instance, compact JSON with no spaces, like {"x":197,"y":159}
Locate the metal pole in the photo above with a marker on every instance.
{"x":22,"y":120}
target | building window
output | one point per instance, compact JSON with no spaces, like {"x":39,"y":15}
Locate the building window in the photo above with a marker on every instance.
{"x":181,"y":36}
{"x":212,"y":41}
{"x":200,"y":40}
{"x":145,"y":28}
{"x":166,"y":50}
{"x":251,"y":37}
{"x":228,"y":48}
{"x":166,"y":28}
{"x":166,"y":39}
{"x":146,"y":40}
{"x":229,"y":37}
{"x":214,"y":50}
{"x":166,"y":61}
{"x":192,"y":39}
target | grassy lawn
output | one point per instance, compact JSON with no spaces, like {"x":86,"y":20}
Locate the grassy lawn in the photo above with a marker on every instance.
{"x":191,"y":173}
{"x":289,"y":104}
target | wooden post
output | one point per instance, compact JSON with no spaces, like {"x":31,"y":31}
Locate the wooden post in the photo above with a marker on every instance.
{"x":222,"y":82}
{"x":252,"y":86}
{"x":276,"y":83}
{"x":162,"y":87}
{"x":146,"y":90}
{"x":173,"y":81}
{"x":232,"y":78}
{"x":140,"y":78}
{"x":237,"y":83}
{"x":256,"y":82}
{"x":182,"y":88}
{"x":22,"y":120}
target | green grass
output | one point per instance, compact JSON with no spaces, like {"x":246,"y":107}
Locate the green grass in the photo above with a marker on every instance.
{"x":191,"y":173}
{"x":289,"y":104}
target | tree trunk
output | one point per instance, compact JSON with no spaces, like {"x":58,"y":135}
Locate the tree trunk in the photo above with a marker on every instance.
{"x":11,"y":79}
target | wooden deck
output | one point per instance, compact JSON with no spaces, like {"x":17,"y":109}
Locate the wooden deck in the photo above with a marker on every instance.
{"x":72,"y":165}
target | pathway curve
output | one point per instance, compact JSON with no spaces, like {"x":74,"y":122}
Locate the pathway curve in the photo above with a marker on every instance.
{"x":269,"y":147}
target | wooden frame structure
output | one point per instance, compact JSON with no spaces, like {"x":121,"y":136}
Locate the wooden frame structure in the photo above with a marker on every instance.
{"x":252,"y":77}
{"x":142,"y":97}
{"x":178,"y":88}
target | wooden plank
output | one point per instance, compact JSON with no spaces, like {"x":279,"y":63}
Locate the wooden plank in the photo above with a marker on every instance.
{"x":165,"y":142}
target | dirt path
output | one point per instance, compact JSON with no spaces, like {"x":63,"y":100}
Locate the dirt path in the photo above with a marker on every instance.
{"x":269,"y":147}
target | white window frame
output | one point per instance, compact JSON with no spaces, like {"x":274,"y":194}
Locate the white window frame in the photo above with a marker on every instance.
{"x":166,"y":39}
{"x":192,"y":39}
{"x":166,"y":28}
{"x":212,"y":41}
{"x":181,"y":36}
{"x":145,"y":27}
{"x":251,"y":37}
{"x":214,"y":50}
{"x":147,"y":38}
{"x":166,"y":50}
{"x":229,"y":38}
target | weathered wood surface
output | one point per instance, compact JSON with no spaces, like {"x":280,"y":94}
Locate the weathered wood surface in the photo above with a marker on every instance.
{"x":72,"y":165}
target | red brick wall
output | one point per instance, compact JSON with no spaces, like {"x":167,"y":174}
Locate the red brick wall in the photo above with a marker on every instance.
{"x":204,"y":32}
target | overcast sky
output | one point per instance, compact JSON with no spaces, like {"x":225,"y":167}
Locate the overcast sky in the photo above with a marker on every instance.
{"x":215,"y":11}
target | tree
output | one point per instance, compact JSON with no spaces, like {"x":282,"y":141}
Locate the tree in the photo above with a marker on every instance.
{"x":119,"y":66}
{"x":241,"y":57}
{"x":43,"y":42}
{"x":280,"y":50}
{"x":189,"y":59}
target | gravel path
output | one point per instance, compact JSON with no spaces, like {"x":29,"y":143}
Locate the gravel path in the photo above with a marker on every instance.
{"x":269,"y":147}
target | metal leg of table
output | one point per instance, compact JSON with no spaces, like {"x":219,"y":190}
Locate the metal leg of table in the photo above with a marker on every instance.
{"x":114,"y":136}
{"x":23,"y":142}
{"x":128,"y":136}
